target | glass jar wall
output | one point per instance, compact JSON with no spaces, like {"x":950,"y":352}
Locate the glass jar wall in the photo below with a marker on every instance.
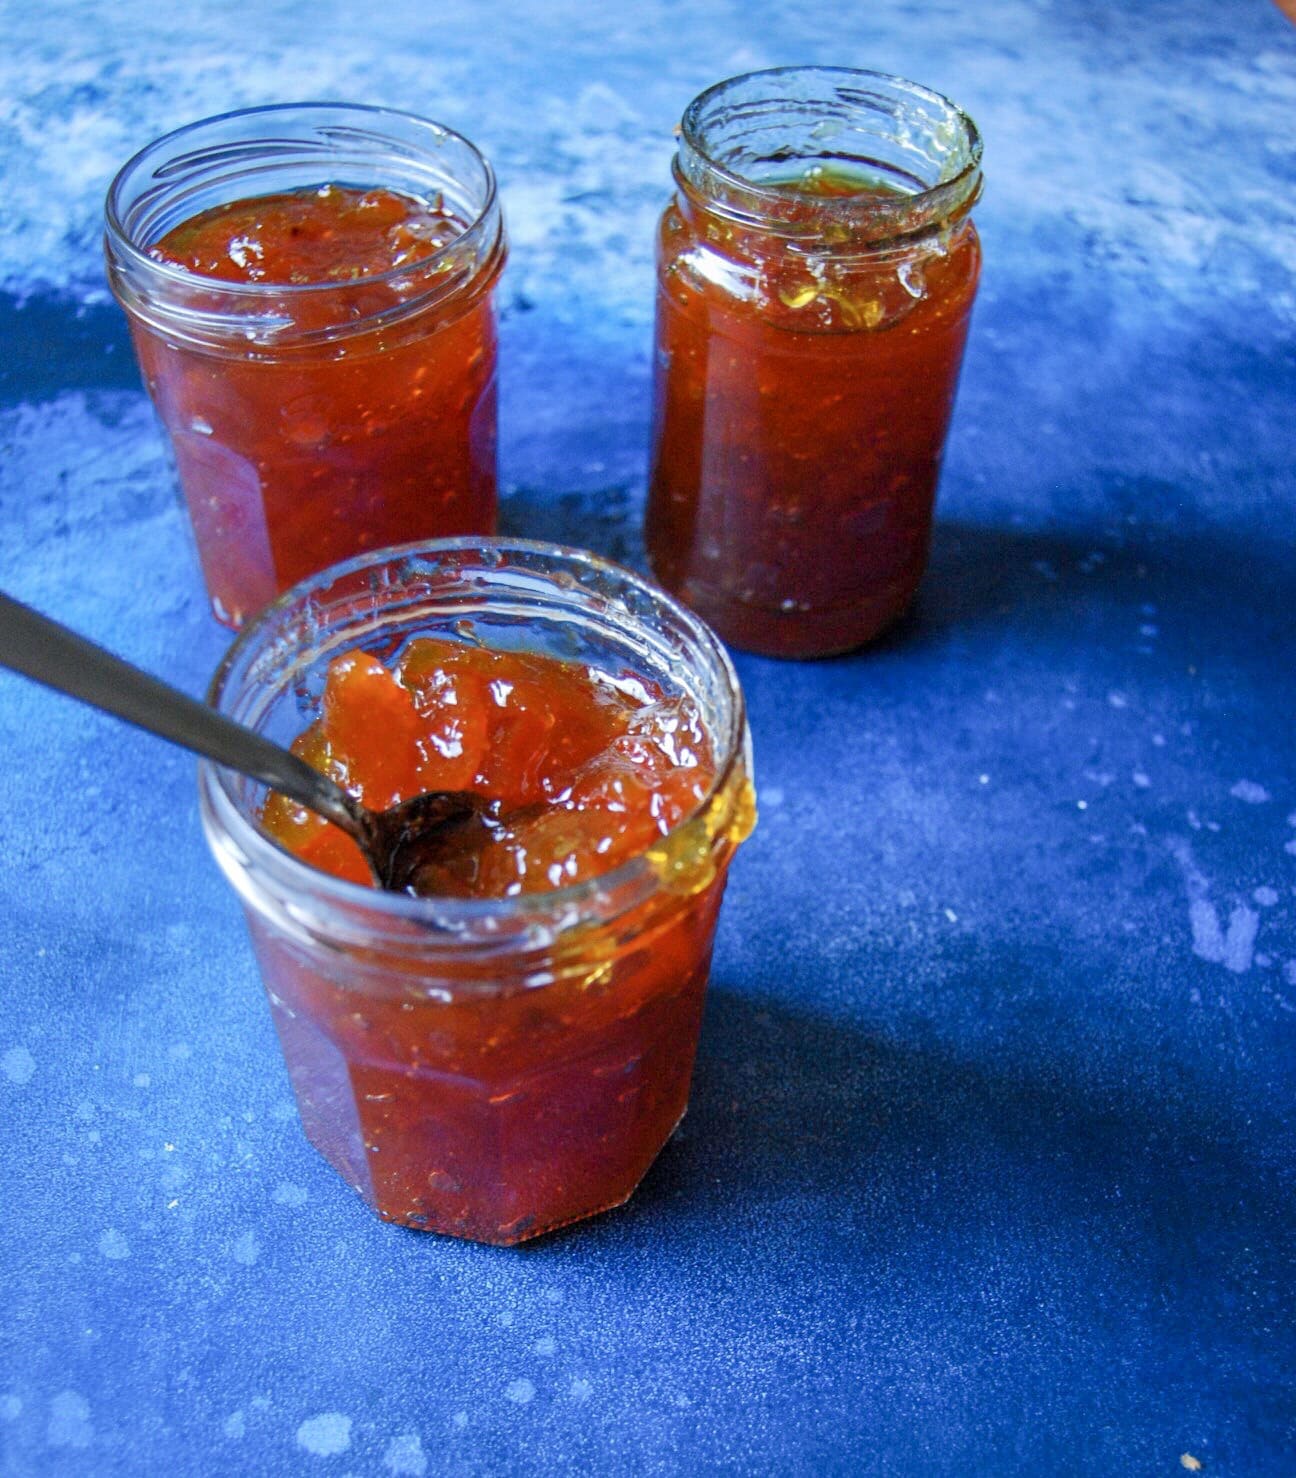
{"x":487,"y":1068}
{"x":337,"y":408}
{"x":816,"y":272}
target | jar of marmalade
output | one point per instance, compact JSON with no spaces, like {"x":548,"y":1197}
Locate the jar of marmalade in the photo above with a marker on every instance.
{"x":490,"y":1067}
{"x":309,"y":289}
{"x":816,"y":272}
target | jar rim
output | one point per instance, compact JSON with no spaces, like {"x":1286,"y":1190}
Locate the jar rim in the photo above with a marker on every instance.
{"x":636,"y":877}
{"x":752,"y":201}
{"x":120,"y":240}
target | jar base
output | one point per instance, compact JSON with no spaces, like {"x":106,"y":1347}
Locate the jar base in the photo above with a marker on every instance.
{"x":797,"y":635}
{"x":484,"y":1230}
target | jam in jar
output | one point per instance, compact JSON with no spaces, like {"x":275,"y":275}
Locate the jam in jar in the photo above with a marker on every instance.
{"x":510,"y":1053}
{"x":310,"y":293}
{"x":816,"y":272}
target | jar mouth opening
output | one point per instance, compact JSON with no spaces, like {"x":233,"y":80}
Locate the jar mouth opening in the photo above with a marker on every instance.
{"x":748,"y":142}
{"x":169,"y":162}
{"x":225,"y":794}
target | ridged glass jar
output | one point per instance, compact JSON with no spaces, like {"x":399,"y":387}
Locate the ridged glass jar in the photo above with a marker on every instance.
{"x":491,"y":1069}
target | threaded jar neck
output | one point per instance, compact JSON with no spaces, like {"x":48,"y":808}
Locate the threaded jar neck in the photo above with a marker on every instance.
{"x":756,"y":151}
{"x":286,"y":147}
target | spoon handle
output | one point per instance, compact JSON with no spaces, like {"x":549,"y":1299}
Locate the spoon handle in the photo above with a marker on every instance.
{"x":42,"y":649}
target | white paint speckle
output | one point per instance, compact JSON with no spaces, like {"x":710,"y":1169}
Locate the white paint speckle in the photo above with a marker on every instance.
{"x":405,"y":1456}
{"x":504,"y":1320}
{"x":1250,"y":792}
{"x":18,"y":1065}
{"x":1233,"y":949}
{"x":554,"y":1295}
{"x":246,"y":1249}
{"x":1118,"y":700}
{"x":520,"y":1391}
{"x":1290,"y":848}
{"x":113,"y":1245}
{"x":581,"y":1390}
{"x":1265,"y":897}
{"x":288,"y":1194}
{"x":10,"y":1408}
{"x":951,"y":915}
{"x":1289,"y":972}
{"x":1159,"y":741}
{"x":1140,"y":780}
{"x":983,"y":780}
{"x":1082,"y":805}
{"x":234,"y":1426}
{"x":547,"y":1345}
{"x":325,"y":1435}
{"x":69,"y":1421}
{"x":460,"y":1420}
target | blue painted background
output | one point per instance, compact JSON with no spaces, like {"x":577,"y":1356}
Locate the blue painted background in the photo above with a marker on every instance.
{"x":990,"y":1163}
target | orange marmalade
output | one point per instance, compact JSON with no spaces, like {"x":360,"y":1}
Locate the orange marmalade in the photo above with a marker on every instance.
{"x":483,"y":1062}
{"x":811,"y":318}
{"x":581,"y":773}
{"x":323,"y":356}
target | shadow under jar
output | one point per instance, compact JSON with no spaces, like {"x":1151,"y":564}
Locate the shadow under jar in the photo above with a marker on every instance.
{"x":490,"y":1068}
{"x":351,"y":406}
{"x":816,"y":272}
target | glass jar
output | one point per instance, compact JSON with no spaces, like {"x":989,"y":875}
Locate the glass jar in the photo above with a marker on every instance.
{"x":314,"y":420}
{"x":816,"y":271}
{"x":490,"y":1069}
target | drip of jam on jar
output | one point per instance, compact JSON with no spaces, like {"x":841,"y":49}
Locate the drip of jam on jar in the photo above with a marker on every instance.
{"x":581,"y":772}
{"x":803,"y":386}
{"x":348,"y":399}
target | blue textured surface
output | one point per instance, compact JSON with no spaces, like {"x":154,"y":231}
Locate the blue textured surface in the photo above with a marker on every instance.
{"x":989,"y":1166}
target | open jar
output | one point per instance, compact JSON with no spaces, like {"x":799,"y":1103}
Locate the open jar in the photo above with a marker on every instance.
{"x":816,"y":272}
{"x":487,"y":1068}
{"x":316,"y":418}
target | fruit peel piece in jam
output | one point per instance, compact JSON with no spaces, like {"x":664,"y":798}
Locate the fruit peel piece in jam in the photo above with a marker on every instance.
{"x":581,"y":774}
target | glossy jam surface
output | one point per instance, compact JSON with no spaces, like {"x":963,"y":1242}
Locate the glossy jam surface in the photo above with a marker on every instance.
{"x":583,"y":770}
{"x":801,"y":401}
{"x":355,"y":437}
{"x":496,"y":1100}
{"x":329,"y":234}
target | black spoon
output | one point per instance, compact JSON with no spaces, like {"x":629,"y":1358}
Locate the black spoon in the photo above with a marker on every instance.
{"x":400,"y":844}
